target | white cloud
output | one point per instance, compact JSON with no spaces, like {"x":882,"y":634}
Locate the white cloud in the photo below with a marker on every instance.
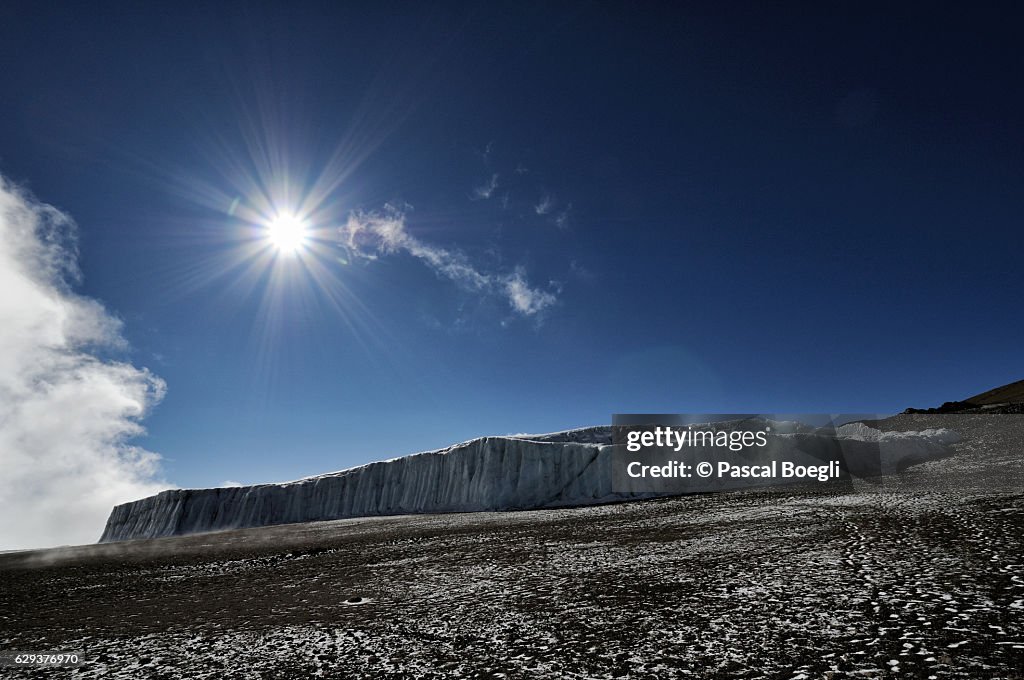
{"x":526,"y":300}
{"x":66,"y":415}
{"x":545,"y":206}
{"x":369,"y":234}
{"x":486,"y":190}
{"x":562,"y":219}
{"x":227,"y":483}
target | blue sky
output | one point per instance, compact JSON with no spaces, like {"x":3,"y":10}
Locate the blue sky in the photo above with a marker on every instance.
{"x":749,"y":208}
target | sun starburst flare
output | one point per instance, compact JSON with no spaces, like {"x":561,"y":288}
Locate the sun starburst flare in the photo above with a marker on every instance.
{"x":288,"y":233}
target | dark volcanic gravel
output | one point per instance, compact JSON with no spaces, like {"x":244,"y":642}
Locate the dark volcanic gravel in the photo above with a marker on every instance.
{"x":919,"y":575}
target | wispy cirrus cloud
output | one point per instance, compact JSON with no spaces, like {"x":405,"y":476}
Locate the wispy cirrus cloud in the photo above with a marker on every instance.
{"x":562,"y":218}
{"x":372,"y":234}
{"x":557,"y":213}
{"x":545,"y":205}
{"x":67,"y":415}
{"x":523,"y":298}
{"x":486,"y":190}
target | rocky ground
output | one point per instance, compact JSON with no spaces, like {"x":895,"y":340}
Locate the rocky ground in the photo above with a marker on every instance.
{"x":919,"y":575}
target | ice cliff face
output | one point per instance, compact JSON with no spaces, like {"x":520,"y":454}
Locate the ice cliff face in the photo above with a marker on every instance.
{"x":521,"y":472}
{"x":492,"y":473}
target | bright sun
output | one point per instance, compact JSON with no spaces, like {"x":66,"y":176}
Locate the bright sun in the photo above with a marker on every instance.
{"x":287,"y":233}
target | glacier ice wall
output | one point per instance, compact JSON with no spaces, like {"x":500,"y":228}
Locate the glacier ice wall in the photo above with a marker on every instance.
{"x":522,"y":472}
{"x":491,"y":473}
